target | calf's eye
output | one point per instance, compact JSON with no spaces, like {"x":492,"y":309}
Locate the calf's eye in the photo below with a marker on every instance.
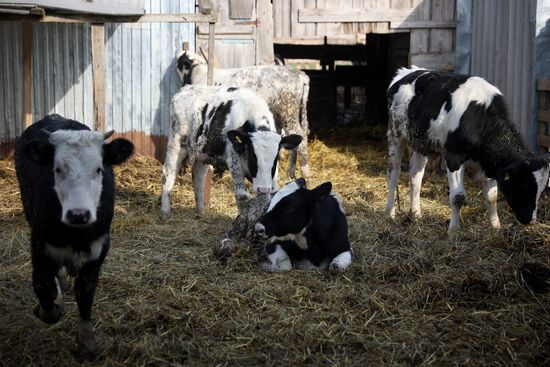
{"x":57,"y":170}
{"x":99,"y":171}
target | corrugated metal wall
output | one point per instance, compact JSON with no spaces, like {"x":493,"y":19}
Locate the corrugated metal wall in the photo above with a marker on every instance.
{"x":141,"y":76}
{"x":502,"y":51}
{"x":11,"y":96}
{"x":139,"y":66}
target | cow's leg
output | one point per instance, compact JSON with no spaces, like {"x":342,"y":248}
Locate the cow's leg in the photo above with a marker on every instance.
{"x":292,"y":158}
{"x":199,"y":172}
{"x":46,"y":287}
{"x":417,"y":168}
{"x":490,"y":191}
{"x":395,"y":150}
{"x":174,"y":157}
{"x":84,"y":290}
{"x":457,"y":197}
{"x":239,"y":188}
{"x":302,"y":152}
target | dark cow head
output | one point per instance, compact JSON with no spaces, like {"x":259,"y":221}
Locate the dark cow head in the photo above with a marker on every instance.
{"x":522,"y":183}
{"x":78,"y":159}
{"x":290,"y":211}
{"x":187,"y":62}
{"x":259,"y":154}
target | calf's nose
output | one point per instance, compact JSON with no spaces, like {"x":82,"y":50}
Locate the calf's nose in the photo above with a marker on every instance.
{"x":78,"y":216}
{"x":264,"y":190}
{"x":259,"y":229}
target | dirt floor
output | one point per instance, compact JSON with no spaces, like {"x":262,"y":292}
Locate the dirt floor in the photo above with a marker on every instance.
{"x":410,"y":298}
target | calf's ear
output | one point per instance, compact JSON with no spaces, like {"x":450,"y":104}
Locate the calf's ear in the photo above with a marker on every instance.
{"x":322,"y":191}
{"x":117,"y":151}
{"x":238,"y":139}
{"x":39,"y":152}
{"x":291,"y":141}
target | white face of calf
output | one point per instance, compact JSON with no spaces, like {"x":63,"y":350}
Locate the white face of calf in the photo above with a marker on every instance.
{"x":259,"y":154}
{"x":77,"y":158}
{"x":78,"y":172}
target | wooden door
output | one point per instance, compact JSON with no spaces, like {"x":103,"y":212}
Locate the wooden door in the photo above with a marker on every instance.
{"x":240,"y":41}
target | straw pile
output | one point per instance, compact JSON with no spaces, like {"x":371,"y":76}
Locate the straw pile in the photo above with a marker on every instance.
{"x":410,"y":298}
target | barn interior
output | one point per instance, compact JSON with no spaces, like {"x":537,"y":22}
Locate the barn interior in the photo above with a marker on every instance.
{"x":411,"y":296}
{"x":348,"y":83}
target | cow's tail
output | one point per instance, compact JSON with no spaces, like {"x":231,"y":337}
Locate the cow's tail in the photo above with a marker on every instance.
{"x":303,"y":105}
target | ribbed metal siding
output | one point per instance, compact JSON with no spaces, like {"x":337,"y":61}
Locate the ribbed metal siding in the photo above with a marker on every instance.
{"x":62,"y":72}
{"x":11,"y":96}
{"x":502,"y":52}
{"x":140,"y":69}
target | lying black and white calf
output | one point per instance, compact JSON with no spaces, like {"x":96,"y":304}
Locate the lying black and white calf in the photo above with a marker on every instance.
{"x":464,"y":118}
{"x":305,"y":228}
{"x":68,"y":191}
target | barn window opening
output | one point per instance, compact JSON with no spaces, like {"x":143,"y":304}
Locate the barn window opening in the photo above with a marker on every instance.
{"x":348,"y":82}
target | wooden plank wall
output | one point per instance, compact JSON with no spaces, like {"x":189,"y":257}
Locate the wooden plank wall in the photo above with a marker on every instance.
{"x":543,"y":137}
{"x":430,"y":22}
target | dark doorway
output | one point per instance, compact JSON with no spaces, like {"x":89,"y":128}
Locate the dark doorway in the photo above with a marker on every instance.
{"x":348,"y":82}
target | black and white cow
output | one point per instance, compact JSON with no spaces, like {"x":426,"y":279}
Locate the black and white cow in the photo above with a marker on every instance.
{"x":231,"y":125}
{"x":465,"y":119}
{"x":285,"y":91}
{"x":305,"y":228}
{"x":68,"y":191}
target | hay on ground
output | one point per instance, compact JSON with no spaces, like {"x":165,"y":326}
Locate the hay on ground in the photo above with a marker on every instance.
{"x":411,"y":297}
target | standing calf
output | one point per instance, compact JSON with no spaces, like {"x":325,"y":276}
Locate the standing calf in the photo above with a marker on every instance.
{"x":285,"y":91}
{"x":305,"y":228}
{"x":223,"y":126}
{"x":464,"y":118}
{"x":67,"y":187}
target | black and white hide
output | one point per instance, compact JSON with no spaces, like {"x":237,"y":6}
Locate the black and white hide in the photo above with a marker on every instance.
{"x":68,"y":191}
{"x":285,"y":91}
{"x":464,"y":118}
{"x":305,"y":228}
{"x":234,"y":126}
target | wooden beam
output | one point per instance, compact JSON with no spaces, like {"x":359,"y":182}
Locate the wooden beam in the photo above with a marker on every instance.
{"x":543,"y":85}
{"x":98,"y":73}
{"x":27,"y":74}
{"x":352,"y":16}
{"x":224,"y":30}
{"x":544,"y":141}
{"x":544,"y":116}
{"x":444,"y":61}
{"x":93,"y":18}
{"x":264,"y":33}
{"x":419,"y":24}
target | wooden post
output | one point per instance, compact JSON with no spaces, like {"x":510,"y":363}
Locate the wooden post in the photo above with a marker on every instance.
{"x":264,"y":33}
{"x":27,"y":74}
{"x":210,"y":81}
{"x":98,"y":72}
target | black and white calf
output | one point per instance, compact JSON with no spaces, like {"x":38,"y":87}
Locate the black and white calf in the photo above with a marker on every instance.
{"x":67,"y":188}
{"x":464,"y":118}
{"x":305,"y":228}
{"x":285,"y":91}
{"x":231,"y":125}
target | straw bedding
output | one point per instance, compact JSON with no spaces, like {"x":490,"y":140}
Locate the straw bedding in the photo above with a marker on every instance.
{"x":410,"y":298}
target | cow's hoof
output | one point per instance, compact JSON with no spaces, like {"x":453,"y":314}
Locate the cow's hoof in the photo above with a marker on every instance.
{"x":87,"y":348}
{"x":341,"y":262}
{"x":165,"y":214}
{"x":49,"y":317}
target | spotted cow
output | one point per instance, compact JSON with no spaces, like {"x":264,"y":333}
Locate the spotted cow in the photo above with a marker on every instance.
{"x":305,"y":228}
{"x":223,"y":126}
{"x":285,"y":91}
{"x":464,"y":118}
